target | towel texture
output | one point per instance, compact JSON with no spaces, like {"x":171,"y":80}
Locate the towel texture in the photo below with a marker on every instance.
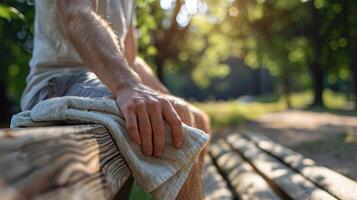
{"x":163,"y":177}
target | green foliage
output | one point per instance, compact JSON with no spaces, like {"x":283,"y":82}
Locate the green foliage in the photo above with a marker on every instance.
{"x":138,"y":193}
{"x":10,"y":13}
{"x":276,"y":35}
{"x":15,"y":45}
{"x":146,"y":23}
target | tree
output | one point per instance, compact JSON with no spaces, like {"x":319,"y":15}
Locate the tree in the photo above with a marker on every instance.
{"x":15,"y":45}
{"x":350,"y":8}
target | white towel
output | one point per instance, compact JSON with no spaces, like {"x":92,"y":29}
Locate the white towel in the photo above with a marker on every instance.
{"x":163,"y":177}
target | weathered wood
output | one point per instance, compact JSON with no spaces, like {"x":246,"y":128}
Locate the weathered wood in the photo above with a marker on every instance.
{"x":331,"y":181}
{"x":214,"y":186}
{"x":68,"y":162}
{"x":292,"y":183}
{"x":245,"y":181}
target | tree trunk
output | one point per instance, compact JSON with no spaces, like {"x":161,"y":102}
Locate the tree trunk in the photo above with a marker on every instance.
{"x":317,"y":75}
{"x":286,"y":86}
{"x":315,"y":67}
{"x":354,"y":74}
{"x":160,"y":69}
{"x":287,"y":91}
{"x":349,"y":7}
{"x":164,"y":44}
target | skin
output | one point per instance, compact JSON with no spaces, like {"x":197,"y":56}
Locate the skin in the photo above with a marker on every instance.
{"x":143,"y":100}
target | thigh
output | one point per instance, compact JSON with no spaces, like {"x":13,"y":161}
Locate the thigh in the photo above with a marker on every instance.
{"x":85,"y":84}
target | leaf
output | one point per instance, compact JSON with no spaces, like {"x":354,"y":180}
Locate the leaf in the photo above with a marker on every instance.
{"x":9,"y":13}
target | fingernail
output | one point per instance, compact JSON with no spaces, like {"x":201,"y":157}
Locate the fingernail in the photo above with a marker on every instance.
{"x":158,"y":154}
{"x":148,"y":153}
{"x":179,"y":145}
{"x":138,"y":141}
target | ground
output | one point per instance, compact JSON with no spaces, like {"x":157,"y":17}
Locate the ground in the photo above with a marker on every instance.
{"x":329,"y":139}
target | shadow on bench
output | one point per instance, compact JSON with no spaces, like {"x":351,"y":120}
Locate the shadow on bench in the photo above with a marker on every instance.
{"x":255,"y":167}
{"x":81,"y":162}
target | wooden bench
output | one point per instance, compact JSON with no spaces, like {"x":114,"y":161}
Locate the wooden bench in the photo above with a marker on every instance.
{"x":255,"y":167}
{"x":81,"y":162}
{"x":69,"y":162}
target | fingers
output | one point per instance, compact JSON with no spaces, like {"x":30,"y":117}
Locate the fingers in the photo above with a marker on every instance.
{"x":145,"y":130}
{"x":158,"y":128}
{"x":202,"y":120}
{"x":145,"y":122}
{"x":175,"y":122}
{"x":132,"y":125}
{"x":182,"y":110}
{"x":184,"y":113}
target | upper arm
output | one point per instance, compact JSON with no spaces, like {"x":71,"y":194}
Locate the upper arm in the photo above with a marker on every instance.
{"x":131,"y":49}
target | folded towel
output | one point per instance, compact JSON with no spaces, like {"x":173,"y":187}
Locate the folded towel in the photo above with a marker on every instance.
{"x":163,"y":177}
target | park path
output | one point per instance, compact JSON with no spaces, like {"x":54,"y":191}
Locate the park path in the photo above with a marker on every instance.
{"x":330,"y":139}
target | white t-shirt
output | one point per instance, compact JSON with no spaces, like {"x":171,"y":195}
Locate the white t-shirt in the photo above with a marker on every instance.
{"x":53,"y":52}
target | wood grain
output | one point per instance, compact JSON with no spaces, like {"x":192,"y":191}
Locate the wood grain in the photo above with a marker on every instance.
{"x":245,"y":181}
{"x":293,"y":184}
{"x":67,"y":162}
{"x":214,"y":185}
{"x":331,"y":181}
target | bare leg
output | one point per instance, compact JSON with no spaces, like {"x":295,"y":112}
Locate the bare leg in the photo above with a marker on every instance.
{"x":192,"y":189}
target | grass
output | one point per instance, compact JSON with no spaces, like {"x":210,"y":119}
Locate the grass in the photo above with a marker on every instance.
{"x":138,"y":193}
{"x":233,"y":113}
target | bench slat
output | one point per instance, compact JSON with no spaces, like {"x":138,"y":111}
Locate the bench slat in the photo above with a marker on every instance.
{"x":66,"y":162}
{"x":245,"y":181}
{"x":214,"y":186}
{"x":331,"y":181}
{"x":292,"y":183}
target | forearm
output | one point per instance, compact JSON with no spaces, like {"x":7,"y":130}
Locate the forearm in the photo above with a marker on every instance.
{"x":147,"y":76}
{"x":99,"y":48}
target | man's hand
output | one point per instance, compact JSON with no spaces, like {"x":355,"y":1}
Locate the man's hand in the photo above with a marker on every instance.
{"x":145,"y":111}
{"x":183,"y":109}
{"x":190,"y":114}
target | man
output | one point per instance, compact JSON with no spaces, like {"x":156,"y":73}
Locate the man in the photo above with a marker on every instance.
{"x":87,"y":48}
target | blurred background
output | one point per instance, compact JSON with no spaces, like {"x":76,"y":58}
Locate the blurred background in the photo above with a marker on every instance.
{"x":284,"y":68}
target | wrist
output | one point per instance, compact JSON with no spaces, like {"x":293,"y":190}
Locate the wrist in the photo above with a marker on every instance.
{"x":129,"y":84}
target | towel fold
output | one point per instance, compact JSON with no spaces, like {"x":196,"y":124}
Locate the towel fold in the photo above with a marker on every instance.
{"x":163,"y":176}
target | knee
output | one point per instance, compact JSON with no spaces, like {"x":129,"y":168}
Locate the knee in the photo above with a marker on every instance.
{"x":201,"y":120}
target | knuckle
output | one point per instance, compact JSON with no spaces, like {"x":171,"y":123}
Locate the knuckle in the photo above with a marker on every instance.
{"x":130,"y":107}
{"x":137,"y":102}
{"x":178,"y":107}
{"x":164,"y":100}
{"x":152,"y":102}
{"x":183,"y":109}
{"x":201,"y":116}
